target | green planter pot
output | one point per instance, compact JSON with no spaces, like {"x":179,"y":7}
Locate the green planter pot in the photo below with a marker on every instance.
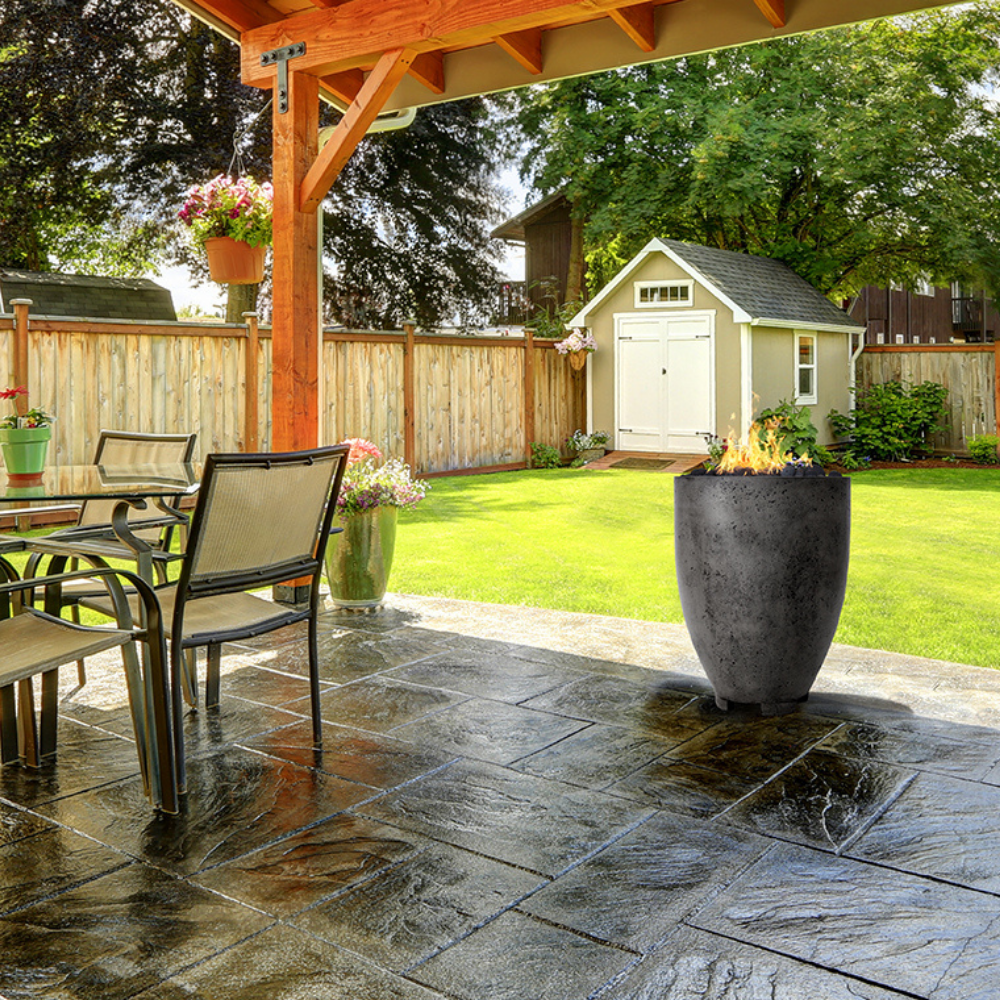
{"x":359,"y":559}
{"x":24,"y":449}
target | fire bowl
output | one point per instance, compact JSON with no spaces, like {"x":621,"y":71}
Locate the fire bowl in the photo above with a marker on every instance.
{"x":762,"y":571}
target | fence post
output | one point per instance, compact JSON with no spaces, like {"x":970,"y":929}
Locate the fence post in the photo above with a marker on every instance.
{"x":996,"y":385}
{"x":251,"y":413}
{"x":409,"y":424}
{"x":529,"y":393}
{"x":19,"y":359}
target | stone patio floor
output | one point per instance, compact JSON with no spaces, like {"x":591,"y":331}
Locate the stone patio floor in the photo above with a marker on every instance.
{"x":514,"y":804}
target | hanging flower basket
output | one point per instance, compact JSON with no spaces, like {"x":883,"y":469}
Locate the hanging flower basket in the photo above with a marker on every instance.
{"x":577,"y":345}
{"x":232,"y":262}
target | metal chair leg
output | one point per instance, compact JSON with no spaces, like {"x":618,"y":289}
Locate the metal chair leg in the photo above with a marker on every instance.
{"x":27,"y":728}
{"x":213,"y":675}
{"x":8,"y":726}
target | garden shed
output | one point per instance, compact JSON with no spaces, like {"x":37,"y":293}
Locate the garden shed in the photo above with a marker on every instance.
{"x":693,"y":341}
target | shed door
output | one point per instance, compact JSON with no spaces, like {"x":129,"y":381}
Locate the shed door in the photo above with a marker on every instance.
{"x":665,"y":395}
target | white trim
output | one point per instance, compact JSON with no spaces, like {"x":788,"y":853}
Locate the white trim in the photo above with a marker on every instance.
{"x":687,"y":303}
{"x":746,"y":379}
{"x":788,"y":324}
{"x":812,"y":398}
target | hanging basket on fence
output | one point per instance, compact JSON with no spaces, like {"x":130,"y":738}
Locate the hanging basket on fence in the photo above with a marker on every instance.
{"x":233,"y":262}
{"x":578,"y":359}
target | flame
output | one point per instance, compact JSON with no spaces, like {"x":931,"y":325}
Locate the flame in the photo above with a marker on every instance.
{"x":760,"y":454}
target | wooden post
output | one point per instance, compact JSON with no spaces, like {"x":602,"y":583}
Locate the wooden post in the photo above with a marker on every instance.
{"x":295,"y":335}
{"x":19,"y":359}
{"x":529,"y":393}
{"x":409,"y":397}
{"x":251,"y":381}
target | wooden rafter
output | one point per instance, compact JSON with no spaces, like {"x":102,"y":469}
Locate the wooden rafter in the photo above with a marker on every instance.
{"x":637,"y":22}
{"x":345,"y":86}
{"x":525,"y":47}
{"x":241,"y":15}
{"x":773,"y":10}
{"x":350,"y":130}
{"x":354,"y":34}
{"x":429,"y":70}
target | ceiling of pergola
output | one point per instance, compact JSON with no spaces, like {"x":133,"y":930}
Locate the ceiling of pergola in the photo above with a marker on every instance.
{"x":465,"y":47}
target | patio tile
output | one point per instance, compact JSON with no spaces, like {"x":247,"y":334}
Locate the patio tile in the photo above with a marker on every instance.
{"x":915,"y":747}
{"x":516,"y":957}
{"x":633,"y":892}
{"x":36,"y":867}
{"x":411,"y":911}
{"x":234,"y":721}
{"x":370,"y":758}
{"x":693,"y":965}
{"x":487,"y":675}
{"x":594,"y":757}
{"x":754,"y":747}
{"x":283,"y":963}
{"x":943,"y":828}
{"x":16,"y":824}
{"x":822,"y":800}
{"x":237,"y":801}
{"x":896,"y":930}
{"x":379,"y":620}
{"x":672,"y":784}
{"x":380,"y":704}
{"x":490,"y":730}
{"x":295,"y":873}
{"x":517,"y":818}
{"x":115,"y":936}
{"x":266,"y":687}
{"x":620,"y":702}
{"x":85,"y":758}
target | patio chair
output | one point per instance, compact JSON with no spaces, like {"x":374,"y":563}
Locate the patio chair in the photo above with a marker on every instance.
{"x":93,"y":529}
{"x":38,"y":642}
{"x":260,"y":520}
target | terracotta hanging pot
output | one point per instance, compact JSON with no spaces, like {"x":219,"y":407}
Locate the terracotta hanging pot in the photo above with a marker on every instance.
{"x":232,"y":262}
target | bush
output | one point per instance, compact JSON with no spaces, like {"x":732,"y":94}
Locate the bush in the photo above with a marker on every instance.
{"x":983,"y":449}
{"x":795,"y":431}
{"x":584,"y":442}
{"x":544,"y":456}
{"x":892,"y":421}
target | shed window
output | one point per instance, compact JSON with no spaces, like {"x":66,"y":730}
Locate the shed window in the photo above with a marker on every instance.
{"x":663,"y":293}
{"x":805,"y":368}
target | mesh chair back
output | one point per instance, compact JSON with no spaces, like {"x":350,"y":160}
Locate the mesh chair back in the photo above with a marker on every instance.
{"x":262,"y":517}
{"x":127,"y":448}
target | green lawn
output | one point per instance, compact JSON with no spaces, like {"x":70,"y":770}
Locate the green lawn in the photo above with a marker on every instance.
{"x":925,"y":552}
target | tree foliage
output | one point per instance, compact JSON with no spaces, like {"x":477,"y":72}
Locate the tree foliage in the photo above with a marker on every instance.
{"x":856,"y":155}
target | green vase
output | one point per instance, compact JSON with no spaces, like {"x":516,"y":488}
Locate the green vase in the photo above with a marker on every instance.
{"x":359,"y":559}
{"x":24,"y":449}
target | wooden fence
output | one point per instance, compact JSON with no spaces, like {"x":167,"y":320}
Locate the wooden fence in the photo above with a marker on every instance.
{"x":443,"y":404}
{"x":969,"y":371}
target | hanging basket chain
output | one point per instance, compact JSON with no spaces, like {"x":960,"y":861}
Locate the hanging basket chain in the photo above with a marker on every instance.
{"x":238,"y":137}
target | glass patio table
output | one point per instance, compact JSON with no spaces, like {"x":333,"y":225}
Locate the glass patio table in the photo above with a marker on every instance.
{"x":132,"y":486}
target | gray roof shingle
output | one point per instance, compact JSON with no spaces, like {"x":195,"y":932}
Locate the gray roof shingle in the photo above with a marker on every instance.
{"x":87,"y":296}
{"x":763,"y":287}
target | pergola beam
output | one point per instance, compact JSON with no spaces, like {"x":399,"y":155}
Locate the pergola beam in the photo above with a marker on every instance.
{"x":356,"y":33}
{"x":774,"y":11}
{"x":638,"y":24}
{"x":428,"y":68}
{"x":351,"y":129}
{"x":525,"y":47}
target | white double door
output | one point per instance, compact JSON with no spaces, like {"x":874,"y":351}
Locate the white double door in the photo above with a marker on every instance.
{"x":665,"y":382}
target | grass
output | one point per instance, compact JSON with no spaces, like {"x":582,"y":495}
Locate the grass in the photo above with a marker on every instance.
{"x":925,"y":552}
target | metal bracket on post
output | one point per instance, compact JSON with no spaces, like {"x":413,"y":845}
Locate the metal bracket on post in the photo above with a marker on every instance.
{"x":281,"y":57}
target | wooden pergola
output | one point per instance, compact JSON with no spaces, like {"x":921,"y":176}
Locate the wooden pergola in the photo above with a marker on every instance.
{"x":371,"y":56}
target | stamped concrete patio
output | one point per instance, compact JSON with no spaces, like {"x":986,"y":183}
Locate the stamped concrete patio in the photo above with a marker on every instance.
{"x":514,"y":804}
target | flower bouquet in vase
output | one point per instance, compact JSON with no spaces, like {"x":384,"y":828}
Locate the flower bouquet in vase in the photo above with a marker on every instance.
{"x":359,"y":558}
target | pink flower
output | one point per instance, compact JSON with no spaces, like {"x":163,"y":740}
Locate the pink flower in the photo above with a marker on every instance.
{"x":361,"y":449}
{"x":13,"y":393}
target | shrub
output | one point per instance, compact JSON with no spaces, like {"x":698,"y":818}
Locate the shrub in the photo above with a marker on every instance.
{"x":584,"y":442}
{"x":892,"y":421}
{"x":544,"y":456}
{"x":795,"y":431}
{"x":983,"y":449}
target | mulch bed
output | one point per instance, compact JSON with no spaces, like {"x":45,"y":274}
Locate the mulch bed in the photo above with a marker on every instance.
{"x":921,"y":463}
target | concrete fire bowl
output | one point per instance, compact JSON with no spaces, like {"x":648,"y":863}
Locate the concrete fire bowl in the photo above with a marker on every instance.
{"x":762,"y":570}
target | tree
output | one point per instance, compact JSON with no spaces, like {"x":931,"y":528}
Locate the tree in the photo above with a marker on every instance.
{"x":855,"y":155}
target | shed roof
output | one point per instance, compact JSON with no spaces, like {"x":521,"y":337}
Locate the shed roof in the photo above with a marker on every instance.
{"x":87,"y":296}
{"x":760,"y":290}
{"x":555,"y":205}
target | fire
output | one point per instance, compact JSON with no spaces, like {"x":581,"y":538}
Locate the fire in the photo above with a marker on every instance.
{"x":761,"y":454}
